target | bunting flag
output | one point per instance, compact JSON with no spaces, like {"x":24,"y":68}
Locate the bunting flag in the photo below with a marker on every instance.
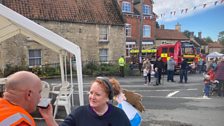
{"x":216,"y":2}
{"x":186,"y":10}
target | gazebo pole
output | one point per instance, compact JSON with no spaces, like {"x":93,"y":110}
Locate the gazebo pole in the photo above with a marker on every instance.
{"x":71,"y":75}
{"x":62,"y":68}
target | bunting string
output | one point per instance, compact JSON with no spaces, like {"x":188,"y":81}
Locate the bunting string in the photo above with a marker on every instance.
{"x":187,"y":10}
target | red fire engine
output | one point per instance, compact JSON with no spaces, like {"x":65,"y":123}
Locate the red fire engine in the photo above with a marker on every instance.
{"x":178,"y":50}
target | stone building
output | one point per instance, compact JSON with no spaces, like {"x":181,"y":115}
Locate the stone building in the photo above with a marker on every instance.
{"x":97,"y":26}
{"x":215,"y":47}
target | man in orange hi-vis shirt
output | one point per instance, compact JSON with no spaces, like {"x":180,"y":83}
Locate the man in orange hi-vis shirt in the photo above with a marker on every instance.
{"x":21,"y":96}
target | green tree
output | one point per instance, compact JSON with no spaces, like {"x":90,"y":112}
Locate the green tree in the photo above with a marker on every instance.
{"x":221,"y":37}
{"x":157,"y":25}
{"x":208,"y":40}
{"x":187,"y":33}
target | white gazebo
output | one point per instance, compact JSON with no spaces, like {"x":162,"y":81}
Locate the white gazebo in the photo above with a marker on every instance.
{"x":12,"y":23}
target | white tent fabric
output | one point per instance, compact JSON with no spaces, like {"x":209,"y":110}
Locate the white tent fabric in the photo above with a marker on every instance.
{"x":214,"y":55}
{"x":12,"y":23}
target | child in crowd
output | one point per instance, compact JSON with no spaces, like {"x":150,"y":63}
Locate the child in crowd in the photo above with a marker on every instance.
{"x":129,"y":108}
{"x":145,"y":73}
{"x":206,"y":85}
{"x":209,"y":78}
{"x":156,"y":76}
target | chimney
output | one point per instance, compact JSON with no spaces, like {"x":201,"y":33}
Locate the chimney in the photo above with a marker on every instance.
{"x":162,"y":26}
{"x":191,"y":34}
{"x":178,"y":27}
{"x":199,"y":35}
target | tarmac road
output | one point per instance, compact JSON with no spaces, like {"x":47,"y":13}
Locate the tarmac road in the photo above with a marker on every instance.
{"x":169,"y":104}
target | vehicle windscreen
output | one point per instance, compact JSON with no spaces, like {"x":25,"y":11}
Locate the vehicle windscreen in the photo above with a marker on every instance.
{"x":188,"y":50}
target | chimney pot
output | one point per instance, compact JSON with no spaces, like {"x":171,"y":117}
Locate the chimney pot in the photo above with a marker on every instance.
{"x":178,"y":27}
{"x":199,"y":35}
{"x":162,"y":26}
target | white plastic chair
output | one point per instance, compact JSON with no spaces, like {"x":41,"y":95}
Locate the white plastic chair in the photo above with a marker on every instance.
{"x":45,"y":89}
{"x":55,"y":87}
{"x":63,"y":99}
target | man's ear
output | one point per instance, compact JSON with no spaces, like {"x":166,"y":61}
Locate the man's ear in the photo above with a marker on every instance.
{"x":28,"y":94}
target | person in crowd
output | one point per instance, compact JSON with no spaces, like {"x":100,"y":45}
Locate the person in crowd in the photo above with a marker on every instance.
{"x":170,"y":69}
{"x":160,"y":66}
{"x":193,"y":67}
{"x":219,"y":75}
{"x":145,"y":74}
{"x":125,"y":100}
{"x":200,"y":65}
{"x":207,"y":84}
{"x":209,"y":79}
{"x":121,"y":62}
{"x":156,"y":76}
{"x":21,"y":96}
{"x":131,"y":67}
{"x":183,"y":71}
{"x":214,"y":64}
{"x":147,"y":64}
{"x":99,"y":111}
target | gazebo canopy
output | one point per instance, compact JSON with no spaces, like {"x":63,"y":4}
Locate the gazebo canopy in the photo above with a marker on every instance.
{"x":214,"y":55}
{"x":12,"y":23}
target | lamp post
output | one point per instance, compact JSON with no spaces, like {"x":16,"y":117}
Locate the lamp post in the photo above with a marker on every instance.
{"x":140,"y":36}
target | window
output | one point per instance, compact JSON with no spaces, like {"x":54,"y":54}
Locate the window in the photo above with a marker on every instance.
{"x":103,"y":55}
{"x":126,"y":7}
{"x":164,"y":50}
{"x":129,"y":46}
{"x":128,"y":30}
{"x":146,"y":10}
{"x":146,"y":31}
{"x":103,"y":33}
{"x":35,"y":57}
{"x":171,"y":50}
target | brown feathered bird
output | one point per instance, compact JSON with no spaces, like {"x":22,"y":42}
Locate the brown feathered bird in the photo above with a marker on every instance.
{"x":134,"y":99}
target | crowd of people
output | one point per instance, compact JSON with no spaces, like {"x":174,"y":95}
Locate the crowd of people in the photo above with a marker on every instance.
{"x":213,"y":72}
{"x":214,"y":78}
{"x":159,"y":68}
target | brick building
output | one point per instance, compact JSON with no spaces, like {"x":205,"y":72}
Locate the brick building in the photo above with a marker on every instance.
{"x":131,"y":10}
{"x":97,"y":26}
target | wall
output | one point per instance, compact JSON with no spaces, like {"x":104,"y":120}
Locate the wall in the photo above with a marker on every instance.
{"x":15,"y":49}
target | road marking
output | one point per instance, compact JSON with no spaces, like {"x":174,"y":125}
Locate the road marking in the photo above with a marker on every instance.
{"x":193,"y":89}
{"x":194,"y":98}
{"x":172,"y":94}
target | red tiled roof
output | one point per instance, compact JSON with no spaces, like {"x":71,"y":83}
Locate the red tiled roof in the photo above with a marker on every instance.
{"x":215,"y":45}
{"x":167,"y":34}
{"x":84,"y":11}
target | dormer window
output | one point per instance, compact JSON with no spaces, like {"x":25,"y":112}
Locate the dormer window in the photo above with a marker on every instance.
{"x":126,"y":7}
{"x":146,"y":10}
